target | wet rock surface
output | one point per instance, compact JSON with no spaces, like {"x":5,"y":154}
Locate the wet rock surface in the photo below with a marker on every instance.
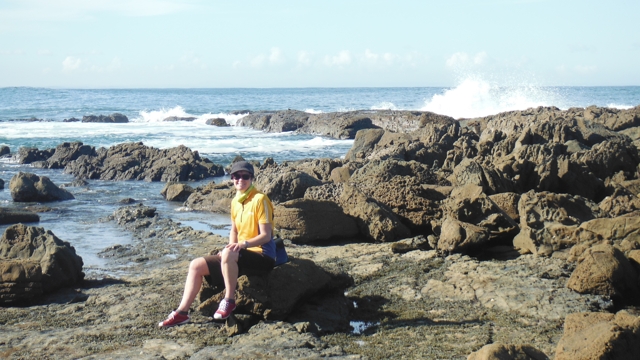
{"x":28,"y":187}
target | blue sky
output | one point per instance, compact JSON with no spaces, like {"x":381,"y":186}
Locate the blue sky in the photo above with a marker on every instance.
{"x":190,"y":43}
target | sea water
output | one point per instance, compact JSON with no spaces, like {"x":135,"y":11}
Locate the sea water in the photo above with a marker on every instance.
{"x":79,"y":221}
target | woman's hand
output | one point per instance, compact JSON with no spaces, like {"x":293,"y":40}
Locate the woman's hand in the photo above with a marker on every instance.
{"x":235,"y":247}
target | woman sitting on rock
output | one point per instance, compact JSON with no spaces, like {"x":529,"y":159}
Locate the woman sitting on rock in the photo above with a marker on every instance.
{"x":250,"y":249}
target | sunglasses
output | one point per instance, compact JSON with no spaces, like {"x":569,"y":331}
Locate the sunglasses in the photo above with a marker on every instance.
{"x":238,"y":177}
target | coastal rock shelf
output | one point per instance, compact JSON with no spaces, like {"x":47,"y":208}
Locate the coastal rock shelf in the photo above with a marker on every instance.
{"x":514,"y":233}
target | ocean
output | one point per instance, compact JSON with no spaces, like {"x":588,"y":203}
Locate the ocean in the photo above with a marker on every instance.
{"x":79,"y":221}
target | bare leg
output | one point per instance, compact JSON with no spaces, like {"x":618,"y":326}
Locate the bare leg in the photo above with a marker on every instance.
{"x":197,"y":269}
{"x":229,"y":265}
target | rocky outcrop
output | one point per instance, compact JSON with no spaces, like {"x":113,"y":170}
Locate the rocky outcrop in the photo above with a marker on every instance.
{"x":14,"y":216}
{"x":113,"y":118}
{"x":27,"y":187}
{"x":29,"y":155}
{"x":307,"y":221}
{"x":599,"y":336}
{"x":274,"y":296}
{"x":64,"y":153}
{"x":34,"y":261}
{"x":135,"y":161}
{"x":1,"y":184}
{"x":4,"y":150}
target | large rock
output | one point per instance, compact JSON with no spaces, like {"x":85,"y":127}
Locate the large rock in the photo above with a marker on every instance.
{"x":306,"y":221}
{"x":1,"y":184}
{"x":274,"y":296}
{"x":34,"y":261}
{"x":27,"y":187}
{"x":472,"y":220}
{"x":548,"y":221}
{"x":281,"y":121}
{"x":498,"y":351}
{"x":176,"y":192}
{"x":4,"y":150}
{"x":212,"y":197}
{"x":135,"y":161}
{"x":364,"y":143}
{"x":604,"y":270}
{"x":113,"y":118}
{"x":29,"y":155}
{"x":591,"y":336}
{"x":375,"y":220}
{"x":282,"y":183}
{"x":14,"y":216}
{"x":67,"y":152}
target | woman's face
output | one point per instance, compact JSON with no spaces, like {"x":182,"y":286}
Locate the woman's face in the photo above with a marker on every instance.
{"x":242,"y":180}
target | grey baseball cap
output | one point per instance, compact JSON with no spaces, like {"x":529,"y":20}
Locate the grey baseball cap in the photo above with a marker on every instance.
{"x":241,"y":165}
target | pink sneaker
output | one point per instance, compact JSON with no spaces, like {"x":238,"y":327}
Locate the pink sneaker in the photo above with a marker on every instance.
{"x":174,"y":319}
{"x":224,"y":310}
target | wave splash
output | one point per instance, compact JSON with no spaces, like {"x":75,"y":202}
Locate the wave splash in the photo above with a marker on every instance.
{"x":179,"y":112}
{"x":476,"y":97}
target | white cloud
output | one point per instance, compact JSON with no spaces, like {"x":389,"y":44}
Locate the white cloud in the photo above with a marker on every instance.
{"x":63,"y":10}
{"x":71,"y":63}
{"x":462,"y":59}
{"x":12,"y":52}
{"x":276,"y":57}
{"x":385,"y":59}
{"x":304,"y":58}
{"x":258,"y":61}
{"x":341,"y":59}
{"x":585,"y":69}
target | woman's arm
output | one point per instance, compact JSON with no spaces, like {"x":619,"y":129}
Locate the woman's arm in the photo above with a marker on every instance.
{"x":233,"y":234}
{"x":262,"y":238}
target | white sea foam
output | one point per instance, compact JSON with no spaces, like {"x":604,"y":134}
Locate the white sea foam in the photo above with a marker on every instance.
{"x":618,"y":106}
{"x":385,"y":105}
{"x":475,"y":97}
{"x":313,"y":111}
{"x":178,"y":111}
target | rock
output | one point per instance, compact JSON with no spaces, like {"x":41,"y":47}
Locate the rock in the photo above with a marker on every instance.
{"x":30,"y":155}
{"x":212,"y":197}
{"x":337,"y":125}
{"x":281,"y":121}
{"x":67,"y":152}
{"x":34,"y":261}
{"x":179,"y":118}
{"x":273,"y":340}
{"x":364,"y":143}
{"x":72,"y":119}
{"x":375,"y":221}
{"x":599,"y":336}
{"x":498,"y":351}
{"x":135,"y":161}
{"x":113,"y":118}
{"x":1,"y":184}
{"x":472,"y":220}
{"x":604,"y":270}
{"x":176,"y":192}
{"x":458,"y":236}
{"x":274,"y":296}
{"x":306,"y":221}
{"x":406,"y":245}
{"x":4,"y":150}
{"x":507,"y":202}
{"x":217,"y":122}
{"x":320,"y":169}
{"x":13,"y":216}
{"x":548,"y":221}
{"x":27,"y":187}
{"x":282,"y":183}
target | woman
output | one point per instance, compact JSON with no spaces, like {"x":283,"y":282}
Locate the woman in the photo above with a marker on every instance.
{"x":251,"y":248}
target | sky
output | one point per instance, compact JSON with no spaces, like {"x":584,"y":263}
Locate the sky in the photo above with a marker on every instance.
{"x":287,"y":43}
